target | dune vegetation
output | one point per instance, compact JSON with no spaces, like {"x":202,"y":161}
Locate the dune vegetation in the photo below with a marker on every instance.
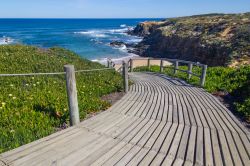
{"x":35,"y":106}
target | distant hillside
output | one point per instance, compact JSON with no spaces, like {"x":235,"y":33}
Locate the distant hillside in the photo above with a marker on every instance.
{"x":214,"y":39}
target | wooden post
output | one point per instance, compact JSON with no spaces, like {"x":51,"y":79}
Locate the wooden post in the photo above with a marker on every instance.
{"x":111,"y":64}
{"x":148,"y":63}
{"x":72,"y":94}
{"x":131,"y":65}
{"x":190,"y":67}
{"x":108,"y":61}
{"x":161,"y":66}
{"x":203,"y":75}
{"x":125,"y":76}
{"x":176,"y":67}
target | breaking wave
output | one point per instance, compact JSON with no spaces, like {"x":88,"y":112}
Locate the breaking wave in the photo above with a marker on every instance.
{"x":6,"y":40}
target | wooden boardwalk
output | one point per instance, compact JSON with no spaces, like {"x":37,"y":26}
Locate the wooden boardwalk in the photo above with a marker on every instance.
{"x":160,"y":121}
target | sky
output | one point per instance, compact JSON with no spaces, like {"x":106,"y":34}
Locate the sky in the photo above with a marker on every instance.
{"x":117,"y":8}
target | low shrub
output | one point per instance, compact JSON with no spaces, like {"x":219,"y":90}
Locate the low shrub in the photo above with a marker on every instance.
{"x":36,"y":106}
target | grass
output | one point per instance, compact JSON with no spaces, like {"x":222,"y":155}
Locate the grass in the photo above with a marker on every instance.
{"x":232,"y":81}
{"x":34,"y":107}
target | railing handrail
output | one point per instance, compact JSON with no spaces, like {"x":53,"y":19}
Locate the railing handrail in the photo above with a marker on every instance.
{"x":56,"y":73}
{"x":69,"y":72}
{"x":176,"y":67}
{"x":171,"y":60}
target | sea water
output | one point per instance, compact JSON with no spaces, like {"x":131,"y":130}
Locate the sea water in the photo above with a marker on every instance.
{"x":89,"y":38}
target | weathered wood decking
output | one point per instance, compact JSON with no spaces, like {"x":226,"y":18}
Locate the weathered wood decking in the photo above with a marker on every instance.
{"x":159,"y":121}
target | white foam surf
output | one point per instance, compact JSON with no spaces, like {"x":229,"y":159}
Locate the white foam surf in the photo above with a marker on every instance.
{"x":93,"y":33}
{"x":6,"y":40}
{"x":103,"y":33}
{"x":123,"y":25}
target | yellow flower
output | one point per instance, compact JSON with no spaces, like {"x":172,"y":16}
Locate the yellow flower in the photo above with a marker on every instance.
{"x":10,"y":95}
{"x":14,"y":98}
{"x":11,"y":85}
{"x":3,"y":104}
{"x":1,"y":108}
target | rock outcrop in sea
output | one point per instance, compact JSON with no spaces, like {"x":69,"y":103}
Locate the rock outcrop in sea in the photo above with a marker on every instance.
{"x":214,"y":39}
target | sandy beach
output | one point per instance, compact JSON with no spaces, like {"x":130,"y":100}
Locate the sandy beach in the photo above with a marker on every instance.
{"x":141,"y":61}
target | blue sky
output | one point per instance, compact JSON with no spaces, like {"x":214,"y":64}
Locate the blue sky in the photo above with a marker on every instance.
{"x":117,"y":8}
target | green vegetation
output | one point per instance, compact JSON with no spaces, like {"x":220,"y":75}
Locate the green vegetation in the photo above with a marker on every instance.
{"x":234,"y":81}
{"x":36,"y":106}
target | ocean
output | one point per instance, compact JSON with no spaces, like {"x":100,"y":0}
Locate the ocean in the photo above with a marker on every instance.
{"x":89,"y":38}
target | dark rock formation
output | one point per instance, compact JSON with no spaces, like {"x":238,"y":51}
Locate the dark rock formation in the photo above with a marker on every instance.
{"x":145,"y":28}
{"x":117,"y":43}
{"x":216,"y":40}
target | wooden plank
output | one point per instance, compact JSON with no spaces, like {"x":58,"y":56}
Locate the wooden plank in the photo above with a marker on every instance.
{"x":129,"y":129}
{"x":149,"y":133}
{"x":168,"y":140}
{"x":233,"y":149}
{"x":147,"y":159}
{"x":138,"y":157}
{"x":137,"y":129}
{"x":122,"y":126}
{"x":180,"y":110}
{"x":157,"y":107}
{"x":158,"y":136}
{"x":190,"y":112}
{"x":191,"y":145}
{"x":208,"y":147}
{"x":141,"y":133}
{"x":185,"y":111}
{"x":168,"y":160}
{"x":176,"y":142}
{"x":98,"y":153}
{"x":227,"y":158}
{"x":35,"y":155}
{"x":74,"y":156}
{"x":35,"y":145}
{"x":184,"y":143}
{"x":109,"y":154}
{"x":128,"y":157}
{"x":216,"y":148}
{"x":199,"y":147}
{"x":20,"y":154}
{"x":242,"y":151}
{"x":178,"y":162}
{"x":118,"y":155}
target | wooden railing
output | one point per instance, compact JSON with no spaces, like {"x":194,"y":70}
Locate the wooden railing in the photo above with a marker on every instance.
{"x":69,"y":72}
{"x":175,"y":67}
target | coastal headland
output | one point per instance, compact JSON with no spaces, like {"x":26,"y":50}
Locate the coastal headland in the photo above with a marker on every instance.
{"x":214,"y":39}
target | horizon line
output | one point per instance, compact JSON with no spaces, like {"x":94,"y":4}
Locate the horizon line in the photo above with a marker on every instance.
{"x":122,"y":17}
{"x":81,"y":18}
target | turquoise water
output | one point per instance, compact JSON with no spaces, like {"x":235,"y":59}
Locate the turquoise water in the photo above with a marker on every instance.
{"x":88,"y":37}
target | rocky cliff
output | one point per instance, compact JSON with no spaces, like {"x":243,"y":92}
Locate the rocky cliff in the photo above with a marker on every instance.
{"x":214,"y":39}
